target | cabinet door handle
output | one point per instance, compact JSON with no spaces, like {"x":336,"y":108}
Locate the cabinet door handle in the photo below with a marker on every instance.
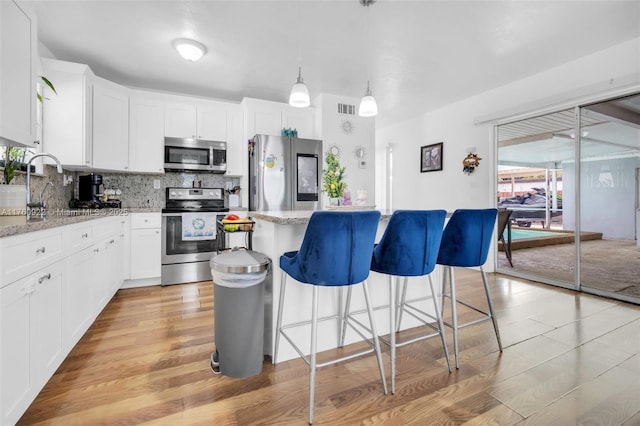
{"x":157,"y":232}
{"x":85,"y":235}
{"x":41,"y":250}
{"x":44,"y":277}
{"x":37,"y":142}
{"x":112,"y":241}
{"x":96,"y":250}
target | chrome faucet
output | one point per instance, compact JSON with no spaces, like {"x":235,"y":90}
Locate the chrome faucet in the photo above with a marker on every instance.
{"x":40,"y":204}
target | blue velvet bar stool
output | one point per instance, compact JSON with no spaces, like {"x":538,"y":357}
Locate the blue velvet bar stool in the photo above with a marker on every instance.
{"x":409,"y":248}
{"x":465,"y":243}
{"x":335,"y":252}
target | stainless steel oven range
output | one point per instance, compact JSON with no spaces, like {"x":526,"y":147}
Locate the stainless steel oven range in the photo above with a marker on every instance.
{"x":189,"y":233}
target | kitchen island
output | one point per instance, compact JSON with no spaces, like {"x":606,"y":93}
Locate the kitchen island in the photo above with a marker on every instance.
{"x":277,"y":232}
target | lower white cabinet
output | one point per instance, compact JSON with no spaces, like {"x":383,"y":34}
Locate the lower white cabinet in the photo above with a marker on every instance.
{"x":78,"y":296}
{"x":145,"y":253}
{"x":32,"y":343}
{"x":146,"y":240}
{"x":43,"y":314}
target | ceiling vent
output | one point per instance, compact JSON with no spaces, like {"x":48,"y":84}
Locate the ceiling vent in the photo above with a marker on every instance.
{"x":346,"y":109}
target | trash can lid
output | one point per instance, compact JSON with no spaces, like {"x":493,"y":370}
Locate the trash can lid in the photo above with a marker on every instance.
{"x":240,"y":261}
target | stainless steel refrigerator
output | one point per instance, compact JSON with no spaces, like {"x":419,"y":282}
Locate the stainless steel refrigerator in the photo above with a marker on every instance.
{"x":284,"y":173}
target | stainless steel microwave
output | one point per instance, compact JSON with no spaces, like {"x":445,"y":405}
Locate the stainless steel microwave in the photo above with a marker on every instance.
{"x":195,"y":155}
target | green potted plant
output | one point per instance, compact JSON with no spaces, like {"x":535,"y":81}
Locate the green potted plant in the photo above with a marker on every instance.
{"x":333,"y":179}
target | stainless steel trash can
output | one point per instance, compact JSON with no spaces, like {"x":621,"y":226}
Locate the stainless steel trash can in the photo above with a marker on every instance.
{"x":238,"y":304}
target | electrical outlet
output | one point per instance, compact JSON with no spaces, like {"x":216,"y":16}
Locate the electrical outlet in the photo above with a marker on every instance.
{"x":67,"y":180}
{"x":156,"y":184}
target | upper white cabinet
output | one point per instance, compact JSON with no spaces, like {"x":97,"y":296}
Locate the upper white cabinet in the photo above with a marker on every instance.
{"x":301,"y":119}
{"x":110,"y":125}
{"x":67,"y":116}
{"x":269,"y":118}
{"x":146,"y":134}
{"x":198,"y":120}
{"x":180,"y":121}
{"x":18,"y":56}
{"x":236,"y":145}
{"x":212,"y":122}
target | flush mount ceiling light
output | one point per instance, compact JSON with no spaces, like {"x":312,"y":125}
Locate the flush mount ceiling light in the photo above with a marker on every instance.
{"x":299,"y":96}
{"x":368,"y":106}
{"x":190,"y":50}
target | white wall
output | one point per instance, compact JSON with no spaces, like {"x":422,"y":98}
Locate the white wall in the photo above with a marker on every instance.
{"x":454,"y":125}
{"x":609,"y":71}
{"x":363,"y":134}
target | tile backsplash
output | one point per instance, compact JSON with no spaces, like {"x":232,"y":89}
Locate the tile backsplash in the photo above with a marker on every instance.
{"x":138,"y":190}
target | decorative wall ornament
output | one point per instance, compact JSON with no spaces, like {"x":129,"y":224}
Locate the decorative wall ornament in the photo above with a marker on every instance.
{"x":346,"y":125}
{"x":335,"y":150}
{"x":470,"y":162}
{"x":431,"y":157}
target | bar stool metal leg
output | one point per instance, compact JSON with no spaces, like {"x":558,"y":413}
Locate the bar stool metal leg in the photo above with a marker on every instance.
{"x":392,"y":331}
{"x":440,"y":323}
{"x":314,"y":342}
{"x":283,"y":282}
{"x":454,"y":315}
{"x":490,"y":303}
{"x":374,"y":332}
{"x":344,"y":314}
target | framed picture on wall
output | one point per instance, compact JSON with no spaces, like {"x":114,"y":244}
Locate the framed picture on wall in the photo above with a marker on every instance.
{"x":431,"y":157}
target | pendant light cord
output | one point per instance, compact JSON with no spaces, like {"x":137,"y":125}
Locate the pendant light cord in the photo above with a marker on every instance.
{"x":368,"y":45}
{"x":300,"y":35}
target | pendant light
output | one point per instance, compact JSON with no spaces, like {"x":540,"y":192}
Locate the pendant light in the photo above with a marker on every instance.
{"x":299,"y":96}
{"x":368,"y":106}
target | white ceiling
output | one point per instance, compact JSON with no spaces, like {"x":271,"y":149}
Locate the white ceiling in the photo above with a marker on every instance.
{"x":421,"y":55}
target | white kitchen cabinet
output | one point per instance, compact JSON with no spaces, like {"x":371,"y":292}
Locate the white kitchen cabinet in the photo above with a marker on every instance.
{"x":145,"y":245}
{"x":212,"y":122}
{"x":16,"y":380}
{"x":269,"y":118}
{"x":110,"y":125}
{"x":201,"y":120}
{"x":32,"y":338}
{"x":67,"y":116}
{"x":180,"y":121}
{"x":18,"y":68}
{"x":146,"y":134}
{"x":301,"y":119}
{"x":43,"y":314}
{"x":78,"y":296}
{"x":107,"y":261}
{"x":23,"y":254}
{"x":236,"y":145}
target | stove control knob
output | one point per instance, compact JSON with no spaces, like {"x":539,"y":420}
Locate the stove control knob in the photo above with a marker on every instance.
{"x":173,"y":193}
{"x":211,"y":193}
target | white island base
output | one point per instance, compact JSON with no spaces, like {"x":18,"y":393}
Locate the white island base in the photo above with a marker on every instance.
{"x":278,"y":232}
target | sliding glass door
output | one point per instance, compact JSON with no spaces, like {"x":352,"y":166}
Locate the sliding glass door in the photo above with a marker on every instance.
{"x":574,"y":173}
{"x":533,"y":158}
{"x":609,"y":205}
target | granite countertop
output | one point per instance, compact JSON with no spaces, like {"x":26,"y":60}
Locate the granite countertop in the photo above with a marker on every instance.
{"x":298,"y":217}
{"x":15,"y":225}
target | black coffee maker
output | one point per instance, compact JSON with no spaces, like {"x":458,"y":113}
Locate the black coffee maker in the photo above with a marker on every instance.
{"x":89,"y":187}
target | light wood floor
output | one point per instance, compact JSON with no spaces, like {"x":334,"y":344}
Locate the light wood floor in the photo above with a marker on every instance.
{"x":568,"y":359}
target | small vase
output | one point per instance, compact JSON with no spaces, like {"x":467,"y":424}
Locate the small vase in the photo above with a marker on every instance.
{"x":334,"y":201}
